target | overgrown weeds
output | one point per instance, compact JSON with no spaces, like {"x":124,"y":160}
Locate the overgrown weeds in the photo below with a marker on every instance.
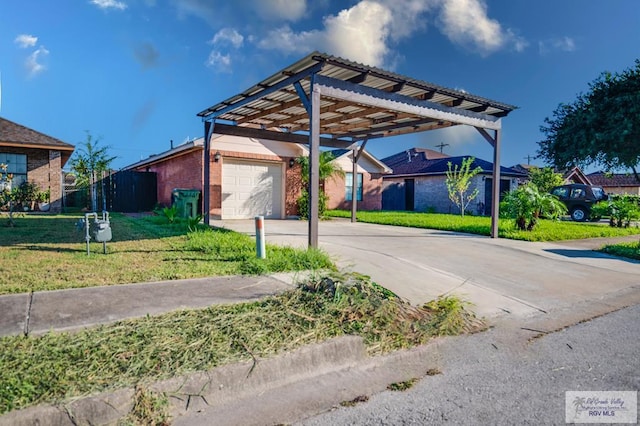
{"x":57,"y":366}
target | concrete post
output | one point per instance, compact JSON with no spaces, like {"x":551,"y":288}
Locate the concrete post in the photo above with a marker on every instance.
{"x":261,"y":252}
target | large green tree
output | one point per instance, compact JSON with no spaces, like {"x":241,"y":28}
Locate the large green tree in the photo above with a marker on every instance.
{"x":601,"y":127}
{"x":88,"y":162}
{"x":545,"y":178}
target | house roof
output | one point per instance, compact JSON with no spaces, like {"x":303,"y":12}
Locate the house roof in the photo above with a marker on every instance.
{"x":358,"y":102}
{"x":193,"y":145}
{"x":415,"y":162}
{"x":18,"y":136}
{"x":576,"y":175}
{"x":337,"y":153}
{"x":607,"y":179}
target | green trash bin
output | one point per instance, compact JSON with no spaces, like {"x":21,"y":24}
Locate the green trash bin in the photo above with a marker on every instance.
{"x":186,"y":201}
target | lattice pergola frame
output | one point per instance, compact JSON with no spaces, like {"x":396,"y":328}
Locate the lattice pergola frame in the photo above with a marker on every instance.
{"x":322,"y":100}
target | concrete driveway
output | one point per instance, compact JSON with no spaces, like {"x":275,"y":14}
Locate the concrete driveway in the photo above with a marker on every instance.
{"x":499,"y":276}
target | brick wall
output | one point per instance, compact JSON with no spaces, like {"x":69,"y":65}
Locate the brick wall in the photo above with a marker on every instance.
{"x":371,"y":193}
{"x":44,"y":168}
{"x":430,"y":194}
{"x":184,"y":171}
{"x":293,"y":188}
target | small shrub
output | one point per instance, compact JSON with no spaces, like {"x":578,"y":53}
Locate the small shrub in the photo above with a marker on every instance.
{"x":620,"y":209}
{"x":170,"y":213}
{"x":193,"y":222}
{"x":303,"y":204}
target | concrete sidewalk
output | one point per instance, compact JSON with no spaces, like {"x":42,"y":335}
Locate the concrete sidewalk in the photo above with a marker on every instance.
{"x":63,"y":310}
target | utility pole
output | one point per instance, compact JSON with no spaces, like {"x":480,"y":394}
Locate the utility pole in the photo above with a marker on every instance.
{"x":529,"y":158}
{"x":441,"y":146}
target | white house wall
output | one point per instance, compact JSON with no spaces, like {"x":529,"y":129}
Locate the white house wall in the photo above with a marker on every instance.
{"x":364,"y":165}
{"x":255,"y":146}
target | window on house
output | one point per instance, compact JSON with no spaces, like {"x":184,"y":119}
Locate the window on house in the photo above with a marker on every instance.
{"x":16,"y":165}
{"x":348,"y":180}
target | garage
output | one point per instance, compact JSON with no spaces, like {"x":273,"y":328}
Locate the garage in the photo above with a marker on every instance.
{"x":251,"y":189}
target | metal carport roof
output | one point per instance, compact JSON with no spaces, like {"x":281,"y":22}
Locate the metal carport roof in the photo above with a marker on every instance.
{"x":323,"y":100}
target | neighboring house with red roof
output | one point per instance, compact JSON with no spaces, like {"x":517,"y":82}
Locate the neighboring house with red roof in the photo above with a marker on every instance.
{"x":34,"y":157}
{"x":418,"y":182}
{"x":615,"y":183}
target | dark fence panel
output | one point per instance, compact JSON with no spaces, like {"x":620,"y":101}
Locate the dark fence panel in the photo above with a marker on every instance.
{"x":393,"y":196}
{"x":130,"y":191}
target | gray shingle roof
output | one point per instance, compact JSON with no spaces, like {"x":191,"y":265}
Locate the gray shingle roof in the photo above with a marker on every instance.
{"x":415,"y":162}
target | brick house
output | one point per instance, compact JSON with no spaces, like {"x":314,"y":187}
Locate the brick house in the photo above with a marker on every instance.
{"x":34,"y":157}
{"x":368,"y":180}
{"x":418,"y":182}
{"x":252,"y":177}
{"x":615,"y":183}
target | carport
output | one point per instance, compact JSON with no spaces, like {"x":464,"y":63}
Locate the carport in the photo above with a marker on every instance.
{"x":323,"y":100}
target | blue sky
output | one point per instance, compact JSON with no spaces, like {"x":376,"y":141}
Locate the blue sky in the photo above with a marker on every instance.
{"x":136,"y":72}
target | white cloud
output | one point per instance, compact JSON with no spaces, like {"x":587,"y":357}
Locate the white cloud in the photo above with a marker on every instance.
{"x":367,"y":31}
{"x":26,"y":40}
{"x":218,"y":61}
{"x":109,"y":4}
{"x":286,"y":40}
{"x":288,"y":10}
{"x":466,"y":22}
{"x":562,"y":44}
{"x":33,"y":62}
{"x":359,"y":33}
{"x":203,"y":9}
{"x":228,"y":36}
{"x":408,"y":16}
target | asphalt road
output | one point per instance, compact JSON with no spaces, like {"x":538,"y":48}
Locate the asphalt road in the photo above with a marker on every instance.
{"x":493,"y":378}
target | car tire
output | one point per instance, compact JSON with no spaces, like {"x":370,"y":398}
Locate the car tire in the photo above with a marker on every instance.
{"x":579,"y":214}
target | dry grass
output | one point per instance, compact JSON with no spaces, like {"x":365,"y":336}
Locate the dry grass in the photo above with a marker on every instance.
{"x":62,"y":365}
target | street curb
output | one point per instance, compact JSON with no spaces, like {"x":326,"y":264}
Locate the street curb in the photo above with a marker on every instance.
{"x":216,"y":387}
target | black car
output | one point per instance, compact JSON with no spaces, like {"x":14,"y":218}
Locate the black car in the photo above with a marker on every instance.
{"x":579,"y":198}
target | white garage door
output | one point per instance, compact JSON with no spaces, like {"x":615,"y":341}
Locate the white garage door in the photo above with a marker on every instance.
{"x":251,"y":189}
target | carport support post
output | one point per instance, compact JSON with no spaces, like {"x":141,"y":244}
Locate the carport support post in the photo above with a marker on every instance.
{"x":356,"y":153}
{"x":354,"y":185}
{"x":495,"y":189}
{"x":314,"y":165}
{"x":208,"y":130}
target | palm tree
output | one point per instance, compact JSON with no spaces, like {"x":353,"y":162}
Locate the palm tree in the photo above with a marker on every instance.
{"x":328,"y":169}
{"x":527,"y":204}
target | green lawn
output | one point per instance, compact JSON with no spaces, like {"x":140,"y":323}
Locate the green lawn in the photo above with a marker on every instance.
{"x":48,"y":252}
{"x":630,"y":250}
{"x":546,"y":230}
